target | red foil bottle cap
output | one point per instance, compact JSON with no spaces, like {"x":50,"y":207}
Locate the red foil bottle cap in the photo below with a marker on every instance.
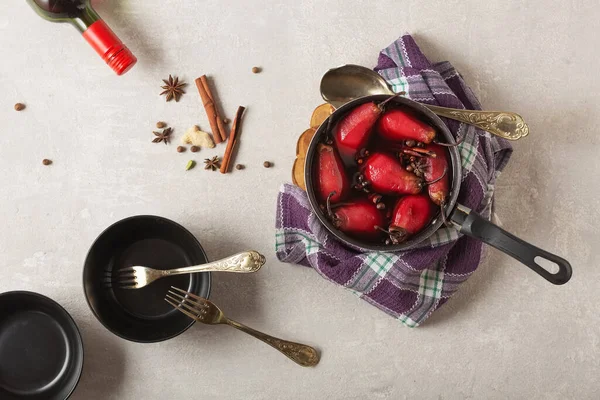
{"x":109,"y":47}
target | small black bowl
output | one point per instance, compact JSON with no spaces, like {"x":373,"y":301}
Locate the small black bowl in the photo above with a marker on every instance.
{"x":41,"y":351}
{"x":142,"y":315}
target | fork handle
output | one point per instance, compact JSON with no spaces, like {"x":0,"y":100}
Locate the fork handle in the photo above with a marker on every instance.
{"x":246,"y":262}
{"x":299,"y":353}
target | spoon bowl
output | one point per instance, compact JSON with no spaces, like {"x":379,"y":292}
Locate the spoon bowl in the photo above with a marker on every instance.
{"x":348,"y":82}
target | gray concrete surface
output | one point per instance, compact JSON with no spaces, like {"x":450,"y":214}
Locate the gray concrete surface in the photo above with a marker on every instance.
{"x":506,"y":334}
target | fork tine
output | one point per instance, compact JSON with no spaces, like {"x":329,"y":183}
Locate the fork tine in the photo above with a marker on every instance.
{"x":121,"y":279}
{"x":185,"y":303}
{"x":193,"y":296}
{"x":190,"y":310}
{"x":176,"y":306}
{"x":179,"y":290}
{"x":119,"y":284}
{"x":125,"y":277}
{"x":189,"y":305}
{"x":119,"y":273}
{"x":185,"y":306}
{"x":180,"y":297}
{"x":128,"y":270}
{"x":126,"y":286}
{"x":183,"y":299}
{"x":125,"y":281}
{"x":179,"y":302}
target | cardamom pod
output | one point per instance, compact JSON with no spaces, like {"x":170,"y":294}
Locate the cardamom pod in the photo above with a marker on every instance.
{"x":191,"y":164}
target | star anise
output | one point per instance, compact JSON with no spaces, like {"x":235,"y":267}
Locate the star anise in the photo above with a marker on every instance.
{"x":173,"y":88}
{"x":212,"y":163}
{"x":419,"y":167}
{"x":163,"y":136}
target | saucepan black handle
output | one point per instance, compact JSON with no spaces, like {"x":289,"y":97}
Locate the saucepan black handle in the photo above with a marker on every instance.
{"x":472,"y":224}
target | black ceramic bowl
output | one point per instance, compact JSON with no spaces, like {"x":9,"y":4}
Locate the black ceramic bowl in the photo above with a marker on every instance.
{"x":41,"y":351}
{"x":142,"y":315}
{"x":421,"y":112}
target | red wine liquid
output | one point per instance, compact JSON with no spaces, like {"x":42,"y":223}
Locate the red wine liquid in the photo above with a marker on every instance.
{"x":353,"y":170}
{"x":72,"y":8}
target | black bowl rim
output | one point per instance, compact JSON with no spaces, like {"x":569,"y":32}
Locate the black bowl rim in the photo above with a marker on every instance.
{"x":456,"y":171}
{"x":69,"y":318}
{"x":125,"y":220}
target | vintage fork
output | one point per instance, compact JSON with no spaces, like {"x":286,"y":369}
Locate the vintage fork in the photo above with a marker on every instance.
{"x":137,"y":277}
{"x":205,"y":311}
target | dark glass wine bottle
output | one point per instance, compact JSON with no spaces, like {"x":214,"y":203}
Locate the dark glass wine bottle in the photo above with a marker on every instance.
{"x":80,"y":14}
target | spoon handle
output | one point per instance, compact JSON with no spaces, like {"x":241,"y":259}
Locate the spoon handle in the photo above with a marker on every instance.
{"x":246,"y":262}
{"x":301,"y":354}
{"x":507,"y":125}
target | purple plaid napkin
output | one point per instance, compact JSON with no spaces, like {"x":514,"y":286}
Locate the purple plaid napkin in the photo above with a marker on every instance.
{"x":407,"y":285}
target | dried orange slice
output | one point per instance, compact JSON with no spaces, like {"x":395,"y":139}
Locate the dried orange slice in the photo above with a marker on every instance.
{"x":320,"y":115}
{"x":304,"y":142}
{"x":301,"y":149}
{"x":298,"y":173}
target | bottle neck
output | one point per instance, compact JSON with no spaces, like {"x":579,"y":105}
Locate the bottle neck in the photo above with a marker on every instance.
{"x":82,"y":16}
{"x":78,"y":13}
{"x":86,"y":19}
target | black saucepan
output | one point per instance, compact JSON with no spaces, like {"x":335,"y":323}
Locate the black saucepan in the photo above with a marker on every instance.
{"x":462,"y":218}
{"x":142,"y":315}
{"x":41,"y":351}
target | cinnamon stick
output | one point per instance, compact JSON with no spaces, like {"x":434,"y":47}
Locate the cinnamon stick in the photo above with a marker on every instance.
{"x":209,"y":107}
{"x":220,"y":124}
{"x":234,"y":137}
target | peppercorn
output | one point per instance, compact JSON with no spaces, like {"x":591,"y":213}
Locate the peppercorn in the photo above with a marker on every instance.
{"x":180,"y":149}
